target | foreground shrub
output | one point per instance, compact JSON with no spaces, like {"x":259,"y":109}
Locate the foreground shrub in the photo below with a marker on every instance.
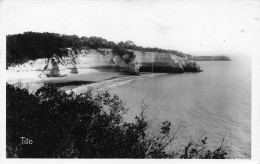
{"x":85,"y":126}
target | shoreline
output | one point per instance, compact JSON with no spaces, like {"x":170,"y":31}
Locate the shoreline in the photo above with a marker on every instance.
{"x":91,"y":77}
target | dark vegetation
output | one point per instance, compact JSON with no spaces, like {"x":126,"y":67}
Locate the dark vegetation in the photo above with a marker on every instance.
{"x":86,"y":126}
{"x":31,"y":45}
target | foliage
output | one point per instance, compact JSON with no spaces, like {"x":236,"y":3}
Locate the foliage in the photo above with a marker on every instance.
{"x":121,"y":52}
{"x":32,"y":45}
{"x":65,"y":125}
{"x":97,"y":42}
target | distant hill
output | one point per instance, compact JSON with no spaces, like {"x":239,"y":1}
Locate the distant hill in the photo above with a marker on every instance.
{"x":209,"y":58}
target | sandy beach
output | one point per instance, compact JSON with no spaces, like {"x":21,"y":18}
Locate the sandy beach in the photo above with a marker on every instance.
{"x":97,"y":78}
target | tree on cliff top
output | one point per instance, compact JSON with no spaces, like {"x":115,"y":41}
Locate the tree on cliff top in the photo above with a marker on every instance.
{"x":31,"y":46}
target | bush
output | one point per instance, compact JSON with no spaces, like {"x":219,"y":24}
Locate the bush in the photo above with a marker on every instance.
{"x":85,"y":126}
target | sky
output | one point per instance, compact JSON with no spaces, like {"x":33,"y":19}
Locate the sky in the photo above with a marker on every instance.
{"x":198,"y":27}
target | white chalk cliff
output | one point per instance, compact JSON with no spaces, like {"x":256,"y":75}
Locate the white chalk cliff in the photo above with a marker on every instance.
{"x":164,"y":62}
{"x":143,"y":61}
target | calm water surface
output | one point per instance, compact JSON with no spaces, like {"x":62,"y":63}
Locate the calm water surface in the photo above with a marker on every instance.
{"x":215,"y":103}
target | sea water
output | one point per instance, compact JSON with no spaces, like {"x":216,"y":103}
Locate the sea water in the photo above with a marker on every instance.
{"x":215,"y":103}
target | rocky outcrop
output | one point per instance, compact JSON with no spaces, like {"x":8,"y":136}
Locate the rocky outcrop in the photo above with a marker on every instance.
{"x":157,"y":62}
{"x":130,"y":67}
{"x":73,"y":69}
{"x":52,"y":69}
{"x":164,"y":62}
{"x":189,"y":65}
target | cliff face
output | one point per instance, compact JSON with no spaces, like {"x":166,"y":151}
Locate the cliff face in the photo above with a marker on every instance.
{"x":155,"y":62}
{"x":164,"y":62}
{"x":143,"y":62}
